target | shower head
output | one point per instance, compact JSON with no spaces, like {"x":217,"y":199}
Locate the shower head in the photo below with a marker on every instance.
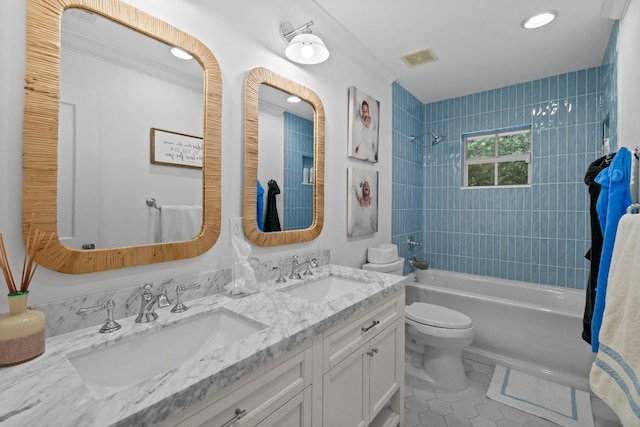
{"x":437,"y":139}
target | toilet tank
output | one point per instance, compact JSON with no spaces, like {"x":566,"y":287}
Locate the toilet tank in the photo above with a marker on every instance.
{"x":396,"y":267}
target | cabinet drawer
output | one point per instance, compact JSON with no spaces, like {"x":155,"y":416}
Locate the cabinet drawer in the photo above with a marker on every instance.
{"x":340,"y":342}
{"x":256,"y":399}
{"x":294,"y":413}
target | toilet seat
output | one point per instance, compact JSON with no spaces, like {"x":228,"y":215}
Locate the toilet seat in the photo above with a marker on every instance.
{"x":437,"y":316}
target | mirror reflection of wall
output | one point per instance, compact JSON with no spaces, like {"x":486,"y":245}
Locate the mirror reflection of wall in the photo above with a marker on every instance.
{"x":285,"y":155}
{"x":117,"y":84}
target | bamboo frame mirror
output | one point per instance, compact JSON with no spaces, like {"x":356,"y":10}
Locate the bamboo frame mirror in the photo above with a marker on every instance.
{"x":40,"y":146}
{"x":255,"y":78}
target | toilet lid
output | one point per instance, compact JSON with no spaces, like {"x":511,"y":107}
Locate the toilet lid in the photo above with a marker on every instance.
{"x":435,"y":315}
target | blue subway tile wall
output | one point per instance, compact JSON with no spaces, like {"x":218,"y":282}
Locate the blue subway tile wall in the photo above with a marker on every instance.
{"x":298,"y":156}
{"x":539,"y":233}
{"x":408,"y":172}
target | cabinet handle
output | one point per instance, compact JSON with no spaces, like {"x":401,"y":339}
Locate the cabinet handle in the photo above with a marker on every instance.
{"x":239,"y":413}
{"x":374,"y":323}
{"x":372,"y":352}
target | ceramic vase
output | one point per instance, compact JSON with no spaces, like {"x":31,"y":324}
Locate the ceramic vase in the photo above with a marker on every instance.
{"x":22,"y":331}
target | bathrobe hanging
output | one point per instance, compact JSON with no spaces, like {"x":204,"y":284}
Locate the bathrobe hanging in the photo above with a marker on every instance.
{"x":271,"y":221}
{"x":595,"y":252}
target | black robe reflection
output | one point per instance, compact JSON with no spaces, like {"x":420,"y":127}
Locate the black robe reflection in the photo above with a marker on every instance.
{"x":271,"y":220}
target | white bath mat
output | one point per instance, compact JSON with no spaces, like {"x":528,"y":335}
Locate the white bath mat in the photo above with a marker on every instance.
{"x":557,"y":403}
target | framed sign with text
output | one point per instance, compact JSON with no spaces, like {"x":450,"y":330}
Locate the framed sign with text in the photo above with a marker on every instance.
{"x":175,"y":149}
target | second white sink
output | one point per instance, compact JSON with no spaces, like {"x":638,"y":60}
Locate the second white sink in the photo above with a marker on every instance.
{"x":117,"y":366}
{"x":325,"y":289}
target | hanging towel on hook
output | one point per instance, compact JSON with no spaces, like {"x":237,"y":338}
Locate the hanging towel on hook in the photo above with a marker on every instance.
{"x":616,"y":369}
{"x":615,"y":196}
{"x":260,"y":207}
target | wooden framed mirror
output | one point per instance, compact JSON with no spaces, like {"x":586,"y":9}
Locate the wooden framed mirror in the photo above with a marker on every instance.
{"x":310,"y":170}
{"x":42,"y":153}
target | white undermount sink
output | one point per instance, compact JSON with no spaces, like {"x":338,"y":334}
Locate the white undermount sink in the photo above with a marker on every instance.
{"x":117,"y":366}
{"x":324,"y":289}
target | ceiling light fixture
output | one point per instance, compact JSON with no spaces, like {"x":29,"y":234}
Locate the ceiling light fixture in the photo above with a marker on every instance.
{"x":179,"y":53}
{"x":293,"y":99}
{"x":539,"y":20}
{"x":302,"y":46}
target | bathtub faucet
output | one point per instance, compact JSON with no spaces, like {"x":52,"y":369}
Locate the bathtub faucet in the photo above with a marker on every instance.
{"x":418,"y":263}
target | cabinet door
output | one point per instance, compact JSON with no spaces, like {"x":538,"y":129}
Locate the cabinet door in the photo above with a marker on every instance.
{"x":345,"y":392}
{"x":342,"y":340}
{"x":385,"y":376}
{"x":294,"y":413}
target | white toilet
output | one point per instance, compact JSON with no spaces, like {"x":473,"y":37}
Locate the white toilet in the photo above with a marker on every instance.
{"x":438,"y":333}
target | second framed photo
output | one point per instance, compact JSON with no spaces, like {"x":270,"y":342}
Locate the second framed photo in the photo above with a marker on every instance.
{"x":362,"y":202}
{"x":364,"y":120}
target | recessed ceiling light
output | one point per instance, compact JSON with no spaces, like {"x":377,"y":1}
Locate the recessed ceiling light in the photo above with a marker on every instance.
{"x":539,"y":20}
{"x":179,"y":53}
{"x":293,"y":98}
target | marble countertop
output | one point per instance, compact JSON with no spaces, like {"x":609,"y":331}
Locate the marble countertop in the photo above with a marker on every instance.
{"x":49,"y":391}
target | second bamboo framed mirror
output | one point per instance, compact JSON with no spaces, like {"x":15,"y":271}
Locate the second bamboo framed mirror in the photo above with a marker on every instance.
{"x":283,"y":160}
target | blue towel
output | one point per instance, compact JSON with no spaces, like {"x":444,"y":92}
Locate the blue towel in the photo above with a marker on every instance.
{"x":260,"y":207}
{"x":615,"y":197}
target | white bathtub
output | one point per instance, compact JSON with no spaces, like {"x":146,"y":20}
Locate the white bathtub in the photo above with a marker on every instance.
{"x":533,"y":328}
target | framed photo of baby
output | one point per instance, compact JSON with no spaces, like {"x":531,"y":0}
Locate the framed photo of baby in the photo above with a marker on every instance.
{"x":364,"y":121}
{"x":362,"y":202}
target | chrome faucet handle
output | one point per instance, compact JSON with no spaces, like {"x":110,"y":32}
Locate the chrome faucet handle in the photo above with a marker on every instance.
{"x":110,"y":325}
{"x":411,"y":243}
{"x":180,"y":307}
{"x":163,"y":300}
{"x":280,"y":278}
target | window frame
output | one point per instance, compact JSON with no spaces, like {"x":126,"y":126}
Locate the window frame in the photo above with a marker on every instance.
{"x":496,"y":159}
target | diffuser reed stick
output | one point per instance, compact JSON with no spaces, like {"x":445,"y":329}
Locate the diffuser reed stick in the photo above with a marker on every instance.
{"x":6,"y":268}
{"x":29,"y":265}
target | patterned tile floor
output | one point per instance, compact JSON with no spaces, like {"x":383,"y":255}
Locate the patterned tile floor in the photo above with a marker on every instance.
{"x":426,"y":407}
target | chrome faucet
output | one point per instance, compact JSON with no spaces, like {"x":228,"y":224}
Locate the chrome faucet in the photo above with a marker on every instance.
{"x":296,"y":267}
{"x":147,"y":313}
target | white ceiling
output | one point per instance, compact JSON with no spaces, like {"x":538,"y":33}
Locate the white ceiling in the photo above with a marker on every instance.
{"x":480,"y":43}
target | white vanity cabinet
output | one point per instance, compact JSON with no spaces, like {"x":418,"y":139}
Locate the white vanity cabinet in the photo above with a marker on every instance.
{"x":363,"y":369}
{"x":278,"y":394}
{"x":350,"y":375}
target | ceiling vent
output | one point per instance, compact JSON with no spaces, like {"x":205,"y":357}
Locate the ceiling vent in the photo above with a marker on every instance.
{"x":420,"y":57}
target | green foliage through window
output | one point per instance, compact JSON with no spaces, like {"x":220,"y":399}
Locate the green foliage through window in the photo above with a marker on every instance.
{"x":498,"y":158}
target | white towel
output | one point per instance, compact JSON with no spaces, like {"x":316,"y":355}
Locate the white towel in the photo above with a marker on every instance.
{"x":615,"y":374}
{"x":180,"y":223}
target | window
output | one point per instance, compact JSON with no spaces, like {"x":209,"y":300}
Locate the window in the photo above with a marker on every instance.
{"x":498,"y":158}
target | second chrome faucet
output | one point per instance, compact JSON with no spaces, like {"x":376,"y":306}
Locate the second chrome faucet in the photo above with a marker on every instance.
{"x":149,"y":300}
{"x":297,"y":266}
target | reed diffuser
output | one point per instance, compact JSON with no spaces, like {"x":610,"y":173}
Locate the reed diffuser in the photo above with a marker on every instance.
{"x":22,"y":331}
